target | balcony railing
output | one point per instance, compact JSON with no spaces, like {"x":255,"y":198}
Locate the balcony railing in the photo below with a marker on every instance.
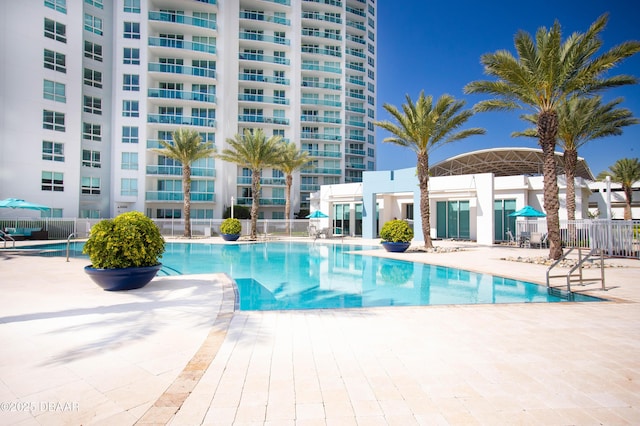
{"x":182,"y":69}
{"x":248,"y":97}
{"x":321,"y":51}
{"x":356,"y":67}
{"x":178,"y":196}
{"x":356,"y":95}
{"x":265,"y":38}
{"x":177,"y":171}
{"x":259,"y":16}
{"x":321,"y":34}
{"x":317,"y":84}
{"x":322,"y":171}
{"x":359,"y":138}
{"x":356,"y":123}
{"x":356,"y":81}
{"x":181,"y":120}
{"x":254,"y":118}
{"x":181,"y":94}
{"x":246,"y":180}
{"x":354,"y":151}
{"x":319,"y":136}
{"x":246,"y":201}
{"x":263,"y":58}
{"x":315,"y":67}
{"x":354,"y":108}
{"x":355,"y":52}
{"x":314,"y":101}
{"x":181,"y":19}
{"x":359,"y":40}
{"x":358,"y":166}
{"x":337,"y":3}
{"x":357,"y":25}
{"x":358,"y":12}
{"x":263,"y":78}
{"x":318,"y":119}
{"x":321,"y":17}
{"x":309,"y":187}
{"x":182,"y":44}
{"x":326,"y":154}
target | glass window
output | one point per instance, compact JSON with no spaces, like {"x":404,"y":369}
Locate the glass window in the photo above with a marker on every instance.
{"x":91,"y":132}
{"x":91,"y":158}
{"x":55,"y":30}
{"x":52,"y":181}
{"x":93,"y":78}
{"x":97,"y":3}
{"x":131,"y":82}
{"x":89,"y":214}
{"x":93,"y":51}
{"x":54,"y":91}
{"x":91,"y":185}
{"x":129,"y":134}
{"x":128,"y":186}
{"x":55,"y":61}
{"x":92,"y":105}
{"x":131,"y":56}
{"x":92,"y":24}
{"x":129,"y":161}
{"x":52,"y":151}
{"x":52,"y":120}
{"x":58,"y":5}
{"x":132,"y":6}
{"x":130,"y":109}
{"x":132,"y":30}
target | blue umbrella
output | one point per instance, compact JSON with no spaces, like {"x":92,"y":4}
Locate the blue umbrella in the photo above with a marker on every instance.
{"x":16,"y":203}
{"x":527,"y":211}
{"x":316,"y":215}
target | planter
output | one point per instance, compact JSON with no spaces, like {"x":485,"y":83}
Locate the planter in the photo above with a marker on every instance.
{"x":230,"y":237}
{"x":116,"y":279}
{"x":395,"y":247}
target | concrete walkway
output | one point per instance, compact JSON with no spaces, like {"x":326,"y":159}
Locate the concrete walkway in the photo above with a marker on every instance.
{"x":175,"y":353}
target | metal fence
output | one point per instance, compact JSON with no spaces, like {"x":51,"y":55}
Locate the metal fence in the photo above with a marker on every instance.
{"x":211,"y":227}
{"x":620,"y":238}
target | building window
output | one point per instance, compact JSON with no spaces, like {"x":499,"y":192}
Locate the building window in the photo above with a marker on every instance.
{"x":55,"y":61}
{"x":130,"y":109}
{"x":131,"y":56}
{"x":132,"y":30}
{"x":89,"y":214}
{"x":93,"y":24}
{"x":97,"y":3}
{"x":92,"y":105}
{"x":132,"y":6}
{"x":93,"y":78}
{"x":93,"y":51}
{"x":54,"y":91}
{"x":52,"y":120}
{"x":52,"y":151}
{"x":129,"y":161}
{"x":91,"y":158}
{"x":91,"y":132}
{"x":91,"y":185}
{"x":55,"y":30}
{"x":131,"y":82}
{"x":52,"y":181}
{"x":129,"y":187}
{"x":58,"y":5}
{"x":129,"y":134}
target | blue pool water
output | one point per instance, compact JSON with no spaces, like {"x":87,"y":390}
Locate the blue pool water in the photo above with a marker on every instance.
{"x":294,"y":275}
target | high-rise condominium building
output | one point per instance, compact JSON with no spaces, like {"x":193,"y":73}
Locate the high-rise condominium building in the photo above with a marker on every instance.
{"x":89,"y":87}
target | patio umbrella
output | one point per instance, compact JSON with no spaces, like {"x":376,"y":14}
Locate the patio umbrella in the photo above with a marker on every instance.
{"x":16,"y":203}
{"x":527,"y":211}
{"x":316,"y":215}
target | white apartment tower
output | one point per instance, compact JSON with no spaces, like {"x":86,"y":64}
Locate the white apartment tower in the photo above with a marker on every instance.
{"x":89,"y":87}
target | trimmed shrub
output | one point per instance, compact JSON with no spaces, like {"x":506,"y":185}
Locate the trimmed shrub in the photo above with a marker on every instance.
{"x":396,"y":231}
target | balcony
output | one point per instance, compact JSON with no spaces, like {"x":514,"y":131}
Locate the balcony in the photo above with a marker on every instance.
{"x":356,"y":95}
{"x":321,"y":17}
{"x":316,"y":67}
{"x":247,"y":201}
{"x":263,"y":78}
{"x":355,"y":108}
{"x":357,"y":166}
{"x":356,"y":39}
{"x":357,"y":25}
{"x":246,"y":180}
{"x":310,"y":187}
{"x":355,"y":151}
{"x":263,"y":58}
{"x":248,"y":97}
{"x":317,"y":119}
{"x":181,"y":44}
{"x":180,"y":120}
{"x":337,"y":3}
{"x":315,"y":101}
{"x":318,"y":85}
{"x":321,"y":34}
{"x":356,"y":123}
{"x":319,"y":136}
{"x":359,"y":138}
{"x":181,"y":19}
{"x":324,"y":154}
{"x":356,"y":81}
{"x":321,"y":51}
{"x":266,"y":38}
{"x":255,"y":118}
{"x":356,"y":52}
{"x":181,"y":94}
{"x":322,"y":171}
{"x":260,"y":16}
{"x":182,"y":69}
{"x":177,"y":171}
{"x":355,"y":67}
{"x":179,"y":196}
{"x":359,"y":12}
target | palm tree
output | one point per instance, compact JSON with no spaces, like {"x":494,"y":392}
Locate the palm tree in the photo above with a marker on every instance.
{"x":626,"y":172}
{"x":546,"y":73}
{"x":581,"y":120}
{"x":292,"y":159}
{"x":187,"y":147}
{"x":423,"y":127}
{"x":254,"y":151}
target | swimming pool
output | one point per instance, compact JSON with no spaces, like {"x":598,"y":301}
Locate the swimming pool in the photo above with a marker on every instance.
{"x":297,"y":275}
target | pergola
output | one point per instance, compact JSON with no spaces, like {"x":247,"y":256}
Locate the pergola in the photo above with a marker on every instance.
{"x":505,"y":162}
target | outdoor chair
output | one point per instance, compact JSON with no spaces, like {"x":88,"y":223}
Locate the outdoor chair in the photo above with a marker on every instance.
{"x":537,"y":239}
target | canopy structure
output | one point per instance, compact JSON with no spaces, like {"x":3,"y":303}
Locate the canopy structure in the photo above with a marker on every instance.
{"x":505,"y":162}
{"x":527,"y":211}
{"x":316,"y":215}
{"x":17,"y":203}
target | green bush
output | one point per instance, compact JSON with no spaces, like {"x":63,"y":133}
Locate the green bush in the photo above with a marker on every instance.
{"x":396,"y":231}
{"x":129,"y":240}
{"x":231,"y":226}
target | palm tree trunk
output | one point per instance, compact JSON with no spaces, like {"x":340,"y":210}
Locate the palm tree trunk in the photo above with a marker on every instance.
{"x":570,"y":162}
{"x":628,"y":195}
{"x":425,"y":214}
{"x":287,"y":202}
{"x":255,"y":202}
{"x":547,"y":131}
{"x":186,"y":190}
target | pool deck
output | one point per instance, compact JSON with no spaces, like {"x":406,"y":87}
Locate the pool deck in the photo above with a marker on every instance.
{"x":176,"y":352}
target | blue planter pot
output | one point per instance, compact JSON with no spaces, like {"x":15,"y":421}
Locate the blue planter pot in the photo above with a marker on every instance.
{"x":122,"y":278}
{"x":230,"y":237}
{"x":395,"y":247}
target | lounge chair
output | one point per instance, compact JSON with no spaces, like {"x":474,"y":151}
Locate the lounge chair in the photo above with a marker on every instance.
{"x":537,"y":239}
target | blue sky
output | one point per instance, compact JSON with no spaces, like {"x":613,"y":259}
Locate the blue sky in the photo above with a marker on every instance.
{"x":436,"y":46}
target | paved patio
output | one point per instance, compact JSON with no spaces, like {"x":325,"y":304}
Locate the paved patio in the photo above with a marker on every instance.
{"x":176,"y":353}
